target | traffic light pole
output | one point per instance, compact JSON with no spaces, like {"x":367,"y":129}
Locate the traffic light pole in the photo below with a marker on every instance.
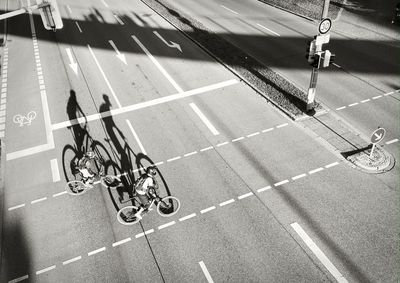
{"x":21,"y":11}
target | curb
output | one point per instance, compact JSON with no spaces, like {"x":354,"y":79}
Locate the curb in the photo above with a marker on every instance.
{"x":2,"y":169}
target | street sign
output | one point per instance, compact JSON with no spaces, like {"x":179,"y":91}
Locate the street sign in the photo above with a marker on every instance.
{"x":50,"y":14}
{"x":322,"y":39}
{"x":324,"y":26}
{"x":378,"y":135}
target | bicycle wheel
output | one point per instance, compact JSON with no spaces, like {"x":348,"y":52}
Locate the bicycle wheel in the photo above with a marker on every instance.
{"x":168,"y":206}
{"x":126,"y":215}
{"x":75,"y":187}
{"x":110,"y":181}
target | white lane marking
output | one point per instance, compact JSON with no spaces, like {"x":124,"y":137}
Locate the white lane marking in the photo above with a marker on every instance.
{"x":60,"y":194}
{"x":122,"y":242}
{"x":104,"y":3}
{"x":340,"y":108}
{"x":79,"y":27}
{"x":222,"y":143}
{"x":237,"y":139}
{"x":206,"y":273}
{"x":267,"y":130}
{"x":245,"y":195}
{"x":353,"y":104}
{"x":136,"y":137}
{"x":190,"y":153}
{"x":45,"y":269}
{"x":19,"y":279}
{"x":54,"y":170}
{"x":163,"y":71}
{"x":365,"y":100}
{"x":173,"y":159}
{"x":96,"y":251}
{"x":159,"y":163}
{"x":263,"y":189}
{"x":376,"y":97}
{"x":145,"y":104}
{"x":207,"y":148}
{"x":144,"y":233}
{"x":204,"y":119}
{"x":17,"y":206}
{"x":187,"y":217}
{"x":268,"y":29}
{"x":166,"y":225}
{"x":207,"y":209}
{"x":299,"y":176}
{"x":38,"y":200}
{"x":104,"y":77}
{"x":226,"y":8}
{"x":336,"y":65}
{"x":253,"y":134}
{"x":315,"y":170}
{"x":318,"y":253}
{"x":226,"y":202}
{"x":69,"y":9}
{"x":119,"y":20}
{"x":282,"y":125}
{"x":392,"y":141}
{"x":72,"y":260}
{"x":281,"y":183}
{"x":332,"y":164}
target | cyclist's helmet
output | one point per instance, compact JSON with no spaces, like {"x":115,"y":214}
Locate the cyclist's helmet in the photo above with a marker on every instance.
{"x":151,"y":170}
{"x":90,"y":154}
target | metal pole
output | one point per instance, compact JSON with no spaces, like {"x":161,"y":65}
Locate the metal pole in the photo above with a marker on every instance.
{"x":20,"y":11}
{"x":325,"y":9}
{"x":372,"y":150}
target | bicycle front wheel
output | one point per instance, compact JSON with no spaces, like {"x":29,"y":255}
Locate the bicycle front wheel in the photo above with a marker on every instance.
{"x":126,"y":215}
{"x":75,"y":187}
{"x":168,"y":206}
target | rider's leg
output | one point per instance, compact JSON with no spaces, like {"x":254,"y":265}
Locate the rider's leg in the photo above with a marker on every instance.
{"x":144,"y":205}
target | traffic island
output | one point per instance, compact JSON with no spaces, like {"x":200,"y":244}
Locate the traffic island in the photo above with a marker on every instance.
{"x":379,"y":161}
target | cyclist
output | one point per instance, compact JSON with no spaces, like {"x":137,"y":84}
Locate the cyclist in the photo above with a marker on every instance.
{"x":86,"y":165}
{"x":146,"y":189}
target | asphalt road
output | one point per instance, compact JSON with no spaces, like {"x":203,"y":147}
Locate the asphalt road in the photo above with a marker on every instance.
{"x":262,"y":201}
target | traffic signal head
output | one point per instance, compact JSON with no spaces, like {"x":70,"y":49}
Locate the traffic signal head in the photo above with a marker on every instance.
{"x":328,"y":58}
{"x":316,"y":61}
{"x":310,"y":51}
{"x":50,"y":14}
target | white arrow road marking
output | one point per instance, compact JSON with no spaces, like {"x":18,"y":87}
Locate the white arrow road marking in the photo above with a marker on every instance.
{"x":172,"y":44}
{"x":72,"y":63}
{"x":378,"y":137}
{"x":119,"y":54}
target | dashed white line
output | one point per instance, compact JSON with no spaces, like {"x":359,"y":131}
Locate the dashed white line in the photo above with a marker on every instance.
{"x":144,"y":233}
{"x":207,"y":209}
{"x":190,"y":153}
{"x":60,"y":194}
{"x":17,"y":206}
{"x":318,"y":253}
{"x":230,"y":10}
{"x":78,"y":26}
{"x":246,"y":195}
{"x":19,"y":279}
{"x":376,"y":97}
{"x":332,"y":164}
{"x":72,"y":260}
{"x":159,"y":163}
{"x":54,"y":170}
{"x":365,"y":100}
{"x":253,"y":134}
{"x":392,"y":141}
{"x":207,"y":148}
{"x":122,"y":242}
{"x":206,"y":273}
{"x":340,"y":108}
{"x":353,"y":104}
{"x":282,"y":125}
{"x":187,"y":217}
{"x":38,"y":200}
{"x":238,"y":139}
{"x":281,"y":183}
{"x":174,"y":158}
{"x":69,"y":9}
{"x":166,"y":225}
{"x":104,"y":3}
{"x":268,"y":29}
{"x":267,"y":130}
{"x":263,"y":189}
{"x":97,"y":251}
{"x":204,"y":119}
{"x":227,"y":202}
{"x":45,"y":269}
{"x":315,"y":170}
{"x":222,"y":143}
{"x":119,"y":20}
{"x":299,"y":176}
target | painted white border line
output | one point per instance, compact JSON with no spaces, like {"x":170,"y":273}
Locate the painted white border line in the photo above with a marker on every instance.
{"x":318,"y":253}
{"x":54,"y":170}
{"x":227,"y":202}
{"x":19,"y":279}
{"x":122,"y":242}
{"x":187,"y":217}
{"x":315,"y":170}
{"x":38,"y":200}
{"x":246,"y":195}
{"x":144,"y":233}
{"x":96,"y":251}
{"x":264,"y":189}
{"x":299,"y":176}
{"x":166,"y":225}
{"x":206,"y":273}
{"x":15,"y":207}
{"x":204,"y":119}
{"x":261,"y":26}
{"x":45,"y":269}
{"x":281,"y":183}
{"x":207,"y":209}
{"x":72,"y":260}
{"x":236,"y":13}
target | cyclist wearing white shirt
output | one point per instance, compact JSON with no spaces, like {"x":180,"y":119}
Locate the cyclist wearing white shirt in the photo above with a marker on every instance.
{"x":146,"y":188}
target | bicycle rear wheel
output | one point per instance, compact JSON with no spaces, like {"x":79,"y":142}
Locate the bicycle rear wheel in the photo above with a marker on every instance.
{"x":75,"y":187}
{"x":126,"y":215}
{"x":168,"y":206}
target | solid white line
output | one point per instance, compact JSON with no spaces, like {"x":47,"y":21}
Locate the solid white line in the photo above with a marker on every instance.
{"x":207,"y":209}
{"x":318,"y":253}
{"x":282,"y":125}
{"x":59,"y":194}
{"x":376,"y":97}
{"x":353,"y":104}
{"x":334,"y":64}
{"x":229,"y":10}
{"x":207,"y":148}
{"x":145,"y":104}
{"x":136,"y":137}
{"x":205,"y":271}
{"x":17,"y":206}
{"x":267,"y":130}
{"x":163,"y":71}
{"x":222,"y":143}
{"x":268,"y":29}
{"x":104,"y":77}
{"x":252,"y":135}
{"x":245,"y":195}
{"x":69,"y":9}
{"x":315,"y":170}
{"x":332,"y":164}
{"x":104,"y":3}
{"x":122,"y":242}
{"x":190,"y":153}
{"x":97,"y":251}
{"x":281,"y":183}
{"x":78,"y":26}
{"x":226,"y":202}
{"x":45,"y":269}
{"x":263,"y":189}
{"x":340,"y":108}
{"x":187,"y":217}
{"x":54,"y":170}
{"x":19,"y":279}
{"x":299,"y":176}
{"x":166,"y":225}
{"x":119,"y":20}
{"x":237,"y":139}
{"x":392,"y":141}
{"x":38,"y":200}
{"x":72,"y":260}
{"x":366,"y":100}
{"x":204,"y":119}
{"x":173,"y":159}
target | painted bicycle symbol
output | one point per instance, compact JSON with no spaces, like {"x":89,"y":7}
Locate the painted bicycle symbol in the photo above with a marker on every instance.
{"x":24,"y":120}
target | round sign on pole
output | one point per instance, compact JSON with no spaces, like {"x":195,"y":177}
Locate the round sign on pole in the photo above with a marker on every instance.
{"x":324,"y":26}
{"x":378,"y":135}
